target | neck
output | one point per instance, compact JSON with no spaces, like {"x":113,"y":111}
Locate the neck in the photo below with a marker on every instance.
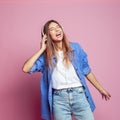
{"x":59,"y":46}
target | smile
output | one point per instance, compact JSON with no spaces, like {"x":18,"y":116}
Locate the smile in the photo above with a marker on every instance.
{"x":58,"y":35}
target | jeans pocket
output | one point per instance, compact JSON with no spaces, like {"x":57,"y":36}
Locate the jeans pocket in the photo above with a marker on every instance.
{"x":80,"y":90}
{"x":57,"y":93}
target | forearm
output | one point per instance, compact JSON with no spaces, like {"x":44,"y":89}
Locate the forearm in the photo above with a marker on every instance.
{"x":94,"y":82}
{"x":30,"y":62}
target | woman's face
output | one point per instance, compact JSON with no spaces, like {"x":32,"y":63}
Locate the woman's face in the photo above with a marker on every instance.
{"x":55,"y":32}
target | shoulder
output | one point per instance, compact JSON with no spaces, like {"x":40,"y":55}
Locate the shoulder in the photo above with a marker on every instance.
{"x":75,"y":45}
{"x":41,"y":58}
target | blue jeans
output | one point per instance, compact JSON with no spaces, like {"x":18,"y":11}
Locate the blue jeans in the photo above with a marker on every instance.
{"x":71,"y":102}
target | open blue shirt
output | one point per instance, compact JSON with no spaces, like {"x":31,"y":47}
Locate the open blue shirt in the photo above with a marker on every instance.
{"x":82,"y":68}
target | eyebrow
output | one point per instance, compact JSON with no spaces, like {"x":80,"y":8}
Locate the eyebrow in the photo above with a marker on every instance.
{"x":55,"y":26}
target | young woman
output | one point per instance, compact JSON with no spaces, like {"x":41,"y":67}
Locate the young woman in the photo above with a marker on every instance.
{"x":64,"y":65}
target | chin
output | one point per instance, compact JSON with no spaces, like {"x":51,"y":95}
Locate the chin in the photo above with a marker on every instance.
{"x":58,"y":40}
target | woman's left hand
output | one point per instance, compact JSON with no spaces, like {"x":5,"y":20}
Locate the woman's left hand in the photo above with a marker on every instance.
{"x":105,"y":95}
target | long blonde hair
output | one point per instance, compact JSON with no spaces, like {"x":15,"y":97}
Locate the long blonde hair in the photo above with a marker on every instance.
{"x":50,"y":51}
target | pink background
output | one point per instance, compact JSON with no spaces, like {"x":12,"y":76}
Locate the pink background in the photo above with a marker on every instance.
{"x":94,"y":24}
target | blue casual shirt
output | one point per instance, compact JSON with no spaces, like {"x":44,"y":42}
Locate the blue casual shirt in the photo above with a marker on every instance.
{"x":82,"y":68}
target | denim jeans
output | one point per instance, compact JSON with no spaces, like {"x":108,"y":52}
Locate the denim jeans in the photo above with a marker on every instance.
{"x":71,"y":102}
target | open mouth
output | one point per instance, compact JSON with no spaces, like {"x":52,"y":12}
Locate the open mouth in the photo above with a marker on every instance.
{"x":58,"y":35}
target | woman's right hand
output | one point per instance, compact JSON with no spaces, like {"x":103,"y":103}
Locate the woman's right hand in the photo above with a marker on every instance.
{"x":30,"y":62}
{"x":43,"y":42}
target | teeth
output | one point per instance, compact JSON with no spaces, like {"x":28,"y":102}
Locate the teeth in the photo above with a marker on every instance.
{"x":58,"y":34}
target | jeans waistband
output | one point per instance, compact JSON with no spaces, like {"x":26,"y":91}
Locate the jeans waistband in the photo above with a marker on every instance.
{"x":67,"y":89}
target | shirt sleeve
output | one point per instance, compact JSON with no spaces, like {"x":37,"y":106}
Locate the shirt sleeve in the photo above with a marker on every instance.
{"x":85,"y":65}
{"x":38,"y":65}
{"x":84,"y":59}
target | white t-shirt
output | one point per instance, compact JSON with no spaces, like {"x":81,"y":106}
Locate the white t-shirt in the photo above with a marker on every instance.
{"x":63,"y":77}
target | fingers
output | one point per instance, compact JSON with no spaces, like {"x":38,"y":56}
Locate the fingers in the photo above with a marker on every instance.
{"x":44,"y":36}
{"x":43,"y":44}
{"x":44,"y":39}
{"x":106,"y":96}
